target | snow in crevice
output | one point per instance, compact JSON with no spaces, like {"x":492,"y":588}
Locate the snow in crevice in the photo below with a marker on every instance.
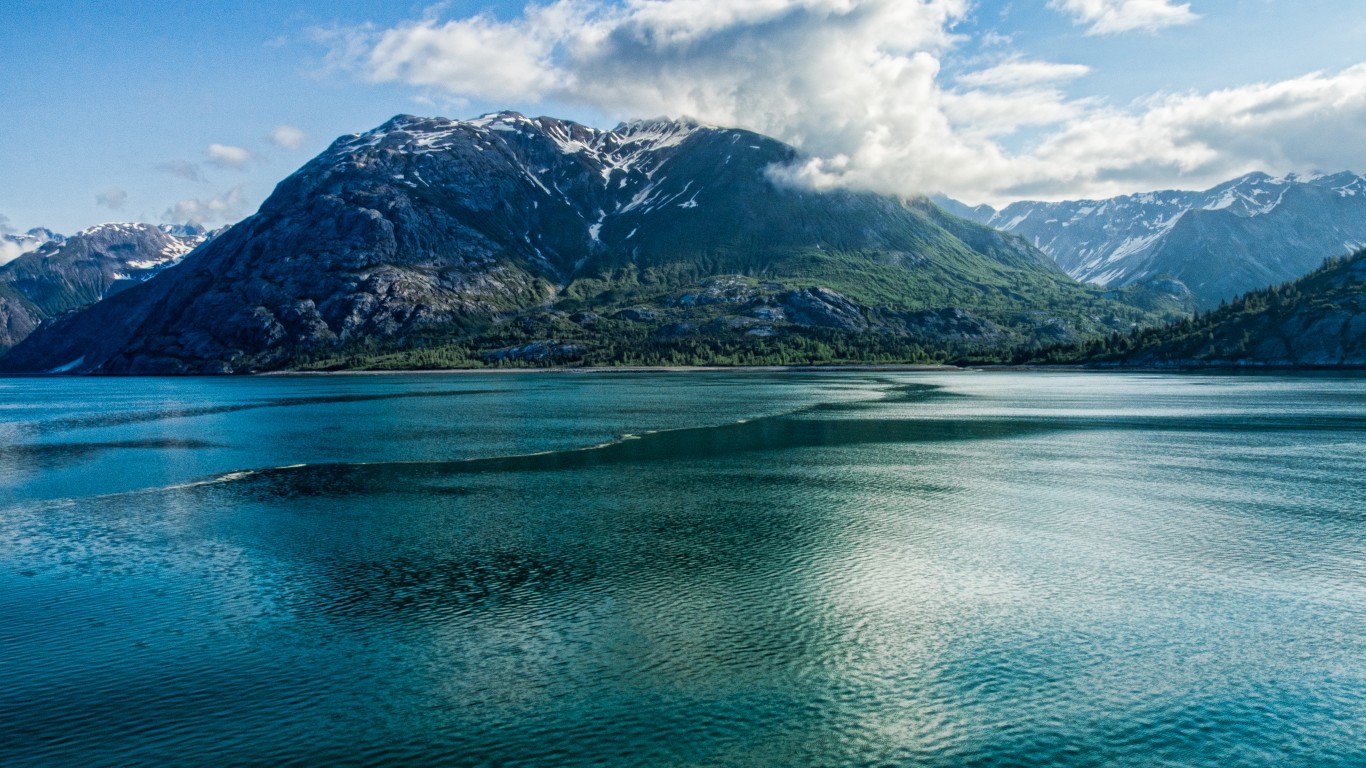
{"x":1110,"y":241}
{"x":539,"y":184}
{"x":630,"y":148}
{"x":629,"y":164}
{"x":641,"y":198}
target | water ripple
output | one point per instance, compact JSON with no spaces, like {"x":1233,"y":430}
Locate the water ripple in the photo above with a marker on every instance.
{"x":946,"y":575}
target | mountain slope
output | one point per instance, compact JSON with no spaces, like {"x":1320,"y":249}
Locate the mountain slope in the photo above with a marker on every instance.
{"x":63,"y":274}
{"x":1245,"y":234}
{"x":1316,"y":321}
{"x":427,"y":230}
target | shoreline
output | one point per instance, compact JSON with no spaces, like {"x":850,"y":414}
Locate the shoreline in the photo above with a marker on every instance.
{"x":797,"y":369}
{"x":853,"y":367}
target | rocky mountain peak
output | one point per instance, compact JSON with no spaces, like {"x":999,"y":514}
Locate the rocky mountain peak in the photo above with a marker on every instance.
{"x":63,"y":274}
{"x":1240,"y":235}
{"x":429,"y":228}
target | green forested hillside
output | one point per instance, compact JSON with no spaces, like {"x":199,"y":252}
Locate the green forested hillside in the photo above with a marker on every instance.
{"x":1316,"y":321}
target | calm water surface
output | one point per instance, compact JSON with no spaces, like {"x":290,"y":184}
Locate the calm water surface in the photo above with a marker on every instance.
{"x":702,"y":569}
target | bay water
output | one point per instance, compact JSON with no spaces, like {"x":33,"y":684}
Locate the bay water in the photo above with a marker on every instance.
{"x":865,"y":568}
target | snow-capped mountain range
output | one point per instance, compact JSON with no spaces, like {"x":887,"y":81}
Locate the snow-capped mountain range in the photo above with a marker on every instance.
{"x":1248,"y":233}
{"x":431,"y":228}
{"x":599,"y":177}
{"x":58,"y":274}
{"x":471,"y":231}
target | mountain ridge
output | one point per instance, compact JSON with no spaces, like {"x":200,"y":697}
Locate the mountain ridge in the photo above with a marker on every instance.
{"x":1246,"y":233}
{"x":425,"y":230}
{"x":62,"y":274}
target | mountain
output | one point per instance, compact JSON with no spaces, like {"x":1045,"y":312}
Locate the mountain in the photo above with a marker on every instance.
{"x":65,"y":273}
{"x":1316,"y":321}
{"x":16,"y":244}
{"x":1242,"y":235}
{"x":543,"y":240}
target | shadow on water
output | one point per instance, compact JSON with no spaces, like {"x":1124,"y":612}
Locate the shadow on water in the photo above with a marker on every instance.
{"x":802,"y":428}
{"x":50,"y":455}
{"x":144,"y":416}
{"x":799,"y":429}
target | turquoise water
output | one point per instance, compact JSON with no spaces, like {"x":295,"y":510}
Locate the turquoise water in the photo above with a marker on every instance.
{"x":699,"y":569}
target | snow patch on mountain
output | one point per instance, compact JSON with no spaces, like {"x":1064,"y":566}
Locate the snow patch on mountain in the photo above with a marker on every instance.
{"x":624,"y":160}
{"x":1107,"y":241}
{"x":1260,"y":227}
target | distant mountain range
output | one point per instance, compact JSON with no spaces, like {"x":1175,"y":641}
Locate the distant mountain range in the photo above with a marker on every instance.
{"x":511,"y":239}
{"x":1245,"y":234}
{"x":1316,"y":321}
{"x":57,"y":274}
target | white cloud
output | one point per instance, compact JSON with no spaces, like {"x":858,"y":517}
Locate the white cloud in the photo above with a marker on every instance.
{"x":1107,"y":17}
{"x":830,"y":75}
{"x":11,"y":249}
{"x":1017,"y":73}
{"x":112,"y":198}
{"x":227,"y":156}
{"x":1314,"y":122}
{"x":1015,"y":94}
{"x":479,"y":55}
{"x":182,"y":169}
{"x":224,"y":208}
{"x":856,"y":85}
{"x":288,"y":137}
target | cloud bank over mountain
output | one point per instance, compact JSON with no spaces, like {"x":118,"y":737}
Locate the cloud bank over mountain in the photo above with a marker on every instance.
{"x":860,"y":86}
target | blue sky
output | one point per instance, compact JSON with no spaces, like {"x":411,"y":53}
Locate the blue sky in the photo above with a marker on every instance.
{"x":160,"y":111}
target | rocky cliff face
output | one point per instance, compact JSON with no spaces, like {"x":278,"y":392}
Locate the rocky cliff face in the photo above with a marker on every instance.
{"x":1242,"y":235}
{"x":63,"y":274}
{"x":429,"y":229}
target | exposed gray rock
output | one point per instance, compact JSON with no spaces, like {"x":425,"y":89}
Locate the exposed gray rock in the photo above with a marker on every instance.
{"x":537,"y":352}
{"x":952,"y":323}
{"x":719,"y":290}
{"x":824,"y":308}
{"x":638,"y":315}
